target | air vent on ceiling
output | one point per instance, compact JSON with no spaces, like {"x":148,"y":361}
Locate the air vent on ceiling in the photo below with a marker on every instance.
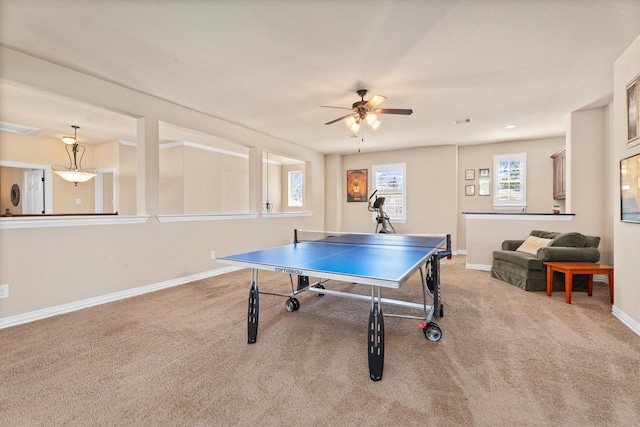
{"x":15,"y":128}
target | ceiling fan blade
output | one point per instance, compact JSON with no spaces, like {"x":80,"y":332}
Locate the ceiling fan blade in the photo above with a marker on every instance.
{"x":329,"y":106}
{"x":340,"y":118}
{"x":373,"y":102}
{"x":405,"y":111}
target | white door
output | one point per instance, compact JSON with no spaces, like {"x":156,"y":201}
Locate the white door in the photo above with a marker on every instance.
{"x":105,"y":191}
{"x":34,"y":194}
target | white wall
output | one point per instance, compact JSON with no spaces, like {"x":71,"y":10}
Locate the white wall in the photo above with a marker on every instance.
{"x":334,"y":191}
{"x":626,"y":248}
{"x":431,"y":190}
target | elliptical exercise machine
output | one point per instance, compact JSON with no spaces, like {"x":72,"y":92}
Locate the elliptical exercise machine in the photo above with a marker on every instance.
{"x":383,"y":224}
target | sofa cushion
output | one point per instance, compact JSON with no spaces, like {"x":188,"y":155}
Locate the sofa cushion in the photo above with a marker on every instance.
{"x":592,"y":241}
{"x":520,"y":259}
{"x":532,"y":244}
{"x":569,"y":240}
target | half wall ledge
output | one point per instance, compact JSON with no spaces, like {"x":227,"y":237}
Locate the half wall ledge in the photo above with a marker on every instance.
{"x":518,"y":216}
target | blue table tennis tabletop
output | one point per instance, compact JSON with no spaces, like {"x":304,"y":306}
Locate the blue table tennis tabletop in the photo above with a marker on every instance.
{"x":386,"y":260}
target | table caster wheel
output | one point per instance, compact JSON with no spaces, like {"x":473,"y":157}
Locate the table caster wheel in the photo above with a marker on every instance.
{"x":292,"y":304}
{"x":320,"y":287}
{"x":432,"y":332}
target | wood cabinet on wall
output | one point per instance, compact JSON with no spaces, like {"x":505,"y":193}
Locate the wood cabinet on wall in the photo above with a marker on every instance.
{"x":559,"y":174}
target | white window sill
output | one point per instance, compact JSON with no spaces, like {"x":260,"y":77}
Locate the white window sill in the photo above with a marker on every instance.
{"x":204,"y":217}
{"x":286,"y":214}
{"x":520,"y":216}
{"x":8,"y":223}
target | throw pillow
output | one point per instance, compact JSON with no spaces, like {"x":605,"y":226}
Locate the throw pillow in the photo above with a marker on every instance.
{"x":532,"y":244}
{"x":570,"y":240}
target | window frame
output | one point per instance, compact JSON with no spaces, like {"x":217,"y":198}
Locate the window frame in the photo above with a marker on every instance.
{"x":383,"y":192}
{"x":522,"y":179}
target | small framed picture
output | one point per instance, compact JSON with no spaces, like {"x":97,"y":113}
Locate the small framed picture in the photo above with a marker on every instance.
{"x":470,"y":190}
{"x":470,"y":174}
{"x":483,"y":182}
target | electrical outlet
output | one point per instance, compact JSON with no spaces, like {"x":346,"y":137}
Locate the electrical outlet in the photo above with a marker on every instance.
{"x":213,"y":254}
{"x":4,"y":291}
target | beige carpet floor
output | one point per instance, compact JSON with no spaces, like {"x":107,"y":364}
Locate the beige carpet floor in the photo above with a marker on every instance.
{"x":179,"y":357}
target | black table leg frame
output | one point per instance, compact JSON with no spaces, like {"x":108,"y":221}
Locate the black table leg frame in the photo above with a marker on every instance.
{"x":252,"y":318}
{"x":376,"y":343}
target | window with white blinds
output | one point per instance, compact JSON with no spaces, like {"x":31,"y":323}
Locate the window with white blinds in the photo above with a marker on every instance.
{"x":510,"y":189}
{"x":391,"y":183}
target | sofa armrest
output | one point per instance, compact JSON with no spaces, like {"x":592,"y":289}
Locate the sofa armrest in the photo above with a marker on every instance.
{"x":565,"y":254}
{"x":511,"y":245}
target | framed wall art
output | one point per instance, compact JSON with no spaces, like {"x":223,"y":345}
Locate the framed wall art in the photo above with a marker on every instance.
{"x":470,"y":174}
{"x":630,"y":189}
{"x":484,"y":182}
{"x":357,"y":185}
{"x":633,"y":112}
{"x":470,"y":190}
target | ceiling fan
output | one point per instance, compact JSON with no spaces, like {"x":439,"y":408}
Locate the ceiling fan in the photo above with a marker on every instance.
{"x":366,"y":111}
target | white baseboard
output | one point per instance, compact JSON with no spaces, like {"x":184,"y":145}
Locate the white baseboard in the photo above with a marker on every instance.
{"x":628,"y":321}
{"x":481,"y":267}
{"x":6,"y":322}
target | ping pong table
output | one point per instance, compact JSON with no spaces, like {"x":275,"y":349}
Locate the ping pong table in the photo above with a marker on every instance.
{"x":377,"y":260}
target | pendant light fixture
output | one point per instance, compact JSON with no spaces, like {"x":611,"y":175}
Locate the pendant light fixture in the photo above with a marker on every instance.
{"x":74,"y":172}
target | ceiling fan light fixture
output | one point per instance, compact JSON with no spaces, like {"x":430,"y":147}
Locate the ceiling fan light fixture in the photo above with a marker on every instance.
{"x":366,"y":111}
{"x":352,"y":123}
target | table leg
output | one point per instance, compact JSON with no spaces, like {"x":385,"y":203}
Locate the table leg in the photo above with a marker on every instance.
{"x":611,"y":285}
{"x":376,"y":340}
{"x":568,"y":282}
{"x":549,"y":280}
{"x":589,"y":284}
{"x":252,"y":318}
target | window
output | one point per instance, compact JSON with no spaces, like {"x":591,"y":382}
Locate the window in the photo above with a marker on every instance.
{"x":510,"y":172}
{"x":390,"y":182}
{"x":295,"y":188}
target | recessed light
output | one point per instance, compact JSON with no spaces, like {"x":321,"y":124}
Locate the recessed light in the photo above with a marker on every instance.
{"x":509,"y":126}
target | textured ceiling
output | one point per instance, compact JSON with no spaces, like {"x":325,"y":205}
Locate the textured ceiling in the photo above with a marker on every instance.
{"x":269,"y":65}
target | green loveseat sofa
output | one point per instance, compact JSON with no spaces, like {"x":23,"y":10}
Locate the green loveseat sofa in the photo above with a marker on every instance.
{"x":528,"y":272}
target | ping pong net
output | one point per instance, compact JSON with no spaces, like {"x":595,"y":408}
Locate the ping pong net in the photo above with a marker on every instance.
{"x":424,"y":241}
